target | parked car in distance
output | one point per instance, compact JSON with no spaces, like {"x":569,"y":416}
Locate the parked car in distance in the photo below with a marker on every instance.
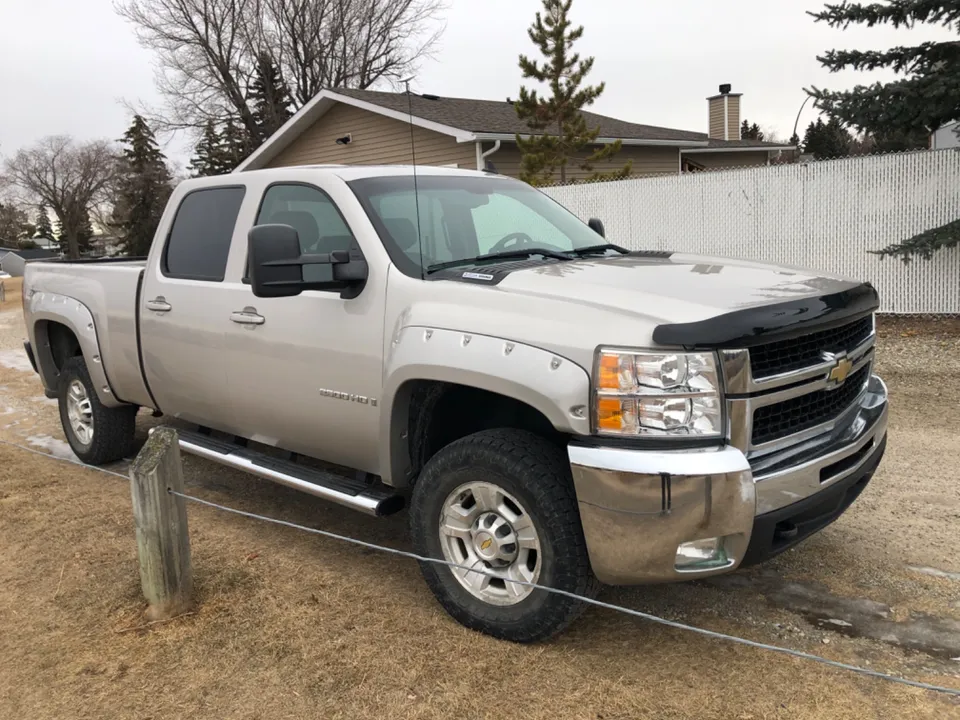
{"x":553,"y":408}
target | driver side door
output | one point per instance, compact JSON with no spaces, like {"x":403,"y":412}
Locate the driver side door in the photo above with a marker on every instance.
{"x":298,"y":363}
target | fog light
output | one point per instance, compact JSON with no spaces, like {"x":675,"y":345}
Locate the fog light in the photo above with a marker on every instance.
{"x":701,"y":554}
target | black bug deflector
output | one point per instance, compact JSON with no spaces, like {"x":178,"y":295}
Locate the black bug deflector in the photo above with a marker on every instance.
{"x":765,"y":323}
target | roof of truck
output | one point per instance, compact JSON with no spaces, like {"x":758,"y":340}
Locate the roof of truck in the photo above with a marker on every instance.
{"x":345,"y":172}
{"x":354,"y":172}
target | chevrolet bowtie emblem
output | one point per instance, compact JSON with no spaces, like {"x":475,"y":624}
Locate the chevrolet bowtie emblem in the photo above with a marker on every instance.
{"x":486,"y":543}
{"x":840,"y":371}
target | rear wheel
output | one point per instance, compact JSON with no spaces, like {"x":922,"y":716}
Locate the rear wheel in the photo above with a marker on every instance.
{"x":500,"y":505}
{"x":97,"y":434}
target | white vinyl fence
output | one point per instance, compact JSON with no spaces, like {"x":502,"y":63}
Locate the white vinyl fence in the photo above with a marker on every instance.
{"x":821,"y":215}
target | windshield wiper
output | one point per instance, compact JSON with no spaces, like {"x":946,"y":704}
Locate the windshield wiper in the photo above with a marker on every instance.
{"x":505,"y":255}
{"x":592,"y":249}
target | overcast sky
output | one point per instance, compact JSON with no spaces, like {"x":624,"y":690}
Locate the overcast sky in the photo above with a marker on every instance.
{"x":65,"y":65}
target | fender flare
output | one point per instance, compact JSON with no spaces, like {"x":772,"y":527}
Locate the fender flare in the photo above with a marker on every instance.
{"x":47,"y":307}
{"x":554,"y":385}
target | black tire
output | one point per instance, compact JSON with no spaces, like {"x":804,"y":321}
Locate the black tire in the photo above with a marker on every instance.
{"x":113,"y":428}
{"x":537,"y":474}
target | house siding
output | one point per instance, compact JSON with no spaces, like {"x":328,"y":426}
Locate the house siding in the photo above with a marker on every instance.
{"x":375,"y":140}
{"x":733,"y":117}
{"x":715,"y":120}
{"x":12,"y":264}
{"x":945,"y":137}
{"x":647,"y":160}
{"x":381,"y":140}
{"x":728,"y":159}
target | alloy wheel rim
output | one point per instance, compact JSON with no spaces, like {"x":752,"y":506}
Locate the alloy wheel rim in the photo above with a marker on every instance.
{"x":80,"y":412}
{"x":487,"y":532}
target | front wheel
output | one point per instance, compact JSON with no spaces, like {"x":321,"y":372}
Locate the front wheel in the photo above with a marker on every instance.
{"x":500,"y":506}
{"x":97,"y":434}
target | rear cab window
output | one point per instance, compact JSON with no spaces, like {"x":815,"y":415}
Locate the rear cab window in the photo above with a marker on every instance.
{"x":199,"y":240}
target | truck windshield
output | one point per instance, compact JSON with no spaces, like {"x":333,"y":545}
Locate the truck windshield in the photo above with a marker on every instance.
{"x":462,"y":218}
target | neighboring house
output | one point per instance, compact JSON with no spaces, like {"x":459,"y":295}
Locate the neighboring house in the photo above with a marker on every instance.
{"x":47,"y":243}
{"x":365,"y":127}
{"x":946,"y":137}
{"x":14,"y":260}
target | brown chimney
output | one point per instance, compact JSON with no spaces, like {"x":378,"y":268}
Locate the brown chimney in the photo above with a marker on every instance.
{"x":724,"y":117}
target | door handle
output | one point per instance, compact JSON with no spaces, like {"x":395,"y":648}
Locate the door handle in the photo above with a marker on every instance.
{"x":247,"y":316}
{"x":159,"y":304}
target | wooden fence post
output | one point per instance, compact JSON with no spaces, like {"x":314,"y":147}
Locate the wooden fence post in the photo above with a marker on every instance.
{"x":163,"y":542}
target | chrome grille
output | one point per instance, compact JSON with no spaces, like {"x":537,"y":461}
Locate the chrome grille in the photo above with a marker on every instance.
{"x":785,"y":356}
{"x":795,"y":401}
{"x":782,"y":419}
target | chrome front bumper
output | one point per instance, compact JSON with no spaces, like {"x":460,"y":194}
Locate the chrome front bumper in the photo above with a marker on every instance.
{"x":637,"y":506}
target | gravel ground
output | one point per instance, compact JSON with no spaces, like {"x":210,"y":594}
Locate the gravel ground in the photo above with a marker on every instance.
{"x":299,"y":624}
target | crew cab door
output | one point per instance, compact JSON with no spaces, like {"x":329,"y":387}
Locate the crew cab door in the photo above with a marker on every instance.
{"x":184,"y":309}
{"x":306,"y":370}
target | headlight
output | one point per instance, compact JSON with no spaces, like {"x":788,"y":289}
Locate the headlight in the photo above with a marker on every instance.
{"x":647,"y":393}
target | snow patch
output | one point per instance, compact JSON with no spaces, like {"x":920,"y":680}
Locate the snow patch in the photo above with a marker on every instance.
{"x":935,"y":572}
{"x":16,"y":360}
{"x":841,"y":623}
{"x":57,"y":448}
{"x":44,"y":400}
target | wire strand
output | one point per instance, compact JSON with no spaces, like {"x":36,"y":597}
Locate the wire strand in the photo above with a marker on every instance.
{"x":590,"y":601}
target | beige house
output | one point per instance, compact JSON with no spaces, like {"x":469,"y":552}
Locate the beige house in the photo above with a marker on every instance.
{"x":365,"y":127}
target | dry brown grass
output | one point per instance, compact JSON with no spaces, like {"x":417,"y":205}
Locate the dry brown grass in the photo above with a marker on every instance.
{"x":12,"y":288}
{"x":290,"y":625}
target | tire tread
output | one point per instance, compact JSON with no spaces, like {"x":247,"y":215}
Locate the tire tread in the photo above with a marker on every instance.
{"x":545,"y":474}
{"x":113,"y":428}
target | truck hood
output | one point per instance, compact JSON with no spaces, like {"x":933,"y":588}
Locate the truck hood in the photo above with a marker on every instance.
{"x":672,"y":288}
{"x":637,"y":300}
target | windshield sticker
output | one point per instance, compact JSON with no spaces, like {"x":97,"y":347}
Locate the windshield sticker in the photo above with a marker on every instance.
{"x":477,"y":276}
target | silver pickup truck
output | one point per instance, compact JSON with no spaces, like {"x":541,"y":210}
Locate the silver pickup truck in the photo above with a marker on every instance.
{"x":553,"y":408}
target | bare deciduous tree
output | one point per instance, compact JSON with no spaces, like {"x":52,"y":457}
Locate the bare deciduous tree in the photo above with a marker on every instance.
{"x":68,"y":177}
{"x":208,"y":50}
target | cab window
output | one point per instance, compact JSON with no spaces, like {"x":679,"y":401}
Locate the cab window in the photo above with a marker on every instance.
{"x":313,"y":214}
{"x":199,"y":239}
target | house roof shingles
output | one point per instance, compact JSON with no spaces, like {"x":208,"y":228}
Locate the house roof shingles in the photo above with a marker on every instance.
{"x":492,"y":116}
{"x":31,"y":253}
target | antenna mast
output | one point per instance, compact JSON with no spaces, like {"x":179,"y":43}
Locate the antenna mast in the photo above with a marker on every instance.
{"x":416,"y":194}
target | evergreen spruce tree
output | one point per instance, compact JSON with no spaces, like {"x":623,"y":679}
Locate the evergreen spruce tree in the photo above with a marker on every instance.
{"x":234,"y":147}
{"x":270,"y":98}
{"x":143,"y":188}
{"x":208,"y":153}
{"x":559,"y":132}
{"x":924,"y":97}
{"x":44,"y":229}
{"x":14,"y":225}
{"x":750,"y":132}
{"x":84,"y":235}
{"x":826,"y":140}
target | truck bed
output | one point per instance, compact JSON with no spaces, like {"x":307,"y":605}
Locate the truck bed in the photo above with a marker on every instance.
{"x":109,"y":288}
